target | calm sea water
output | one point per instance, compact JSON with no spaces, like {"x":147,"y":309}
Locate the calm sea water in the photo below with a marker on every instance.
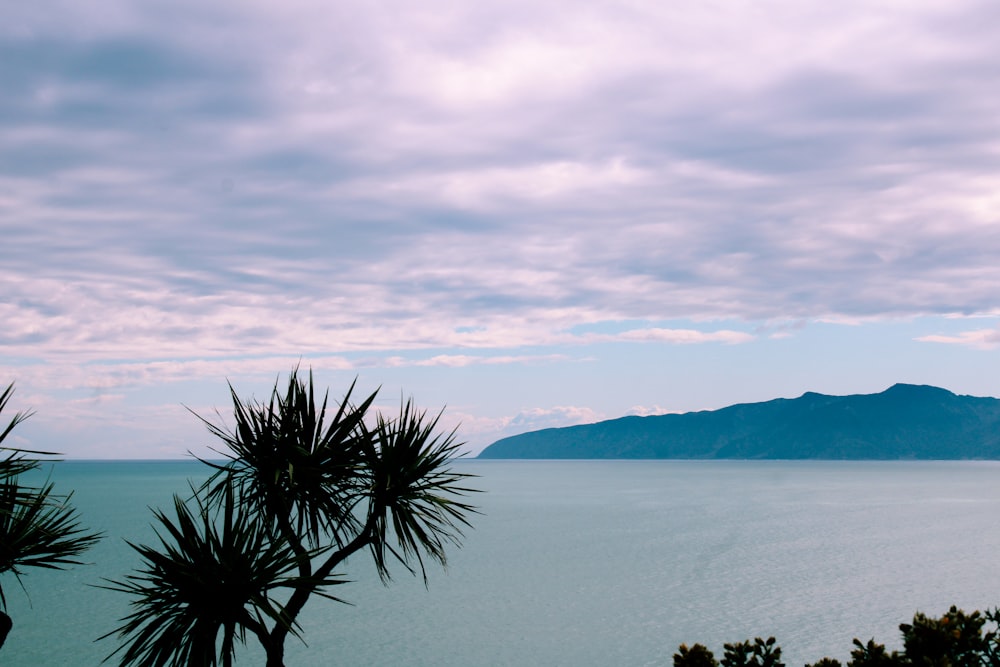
{"x":587,"y":563}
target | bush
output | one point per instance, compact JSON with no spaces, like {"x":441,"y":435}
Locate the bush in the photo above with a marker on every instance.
{"x":956,"y":639}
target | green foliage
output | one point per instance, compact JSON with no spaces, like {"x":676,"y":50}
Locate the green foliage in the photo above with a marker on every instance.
{"x":873,"y":655}
{"x":825,"y":662}
{"x":956,"y":639}
{"x":301,"y":489}
{"x":991,"y":639}
{"x":759,"y":653}
{"x":38,"y":528}
{"x":696,"y":656}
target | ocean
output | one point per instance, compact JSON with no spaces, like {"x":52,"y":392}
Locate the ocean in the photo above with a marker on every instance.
{"x":591,"y":563}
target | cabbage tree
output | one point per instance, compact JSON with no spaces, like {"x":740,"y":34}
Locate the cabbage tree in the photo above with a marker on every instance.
{"x":38,"y":527}
{"x":302,"y":485}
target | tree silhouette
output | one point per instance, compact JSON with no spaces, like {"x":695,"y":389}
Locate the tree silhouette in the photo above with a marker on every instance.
{"x":956,"y":639}
{"x":38,"y":528}
{"x":298,"y":493}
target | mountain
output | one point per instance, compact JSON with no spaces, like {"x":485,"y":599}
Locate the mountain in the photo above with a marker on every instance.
{"x":903,"y":422}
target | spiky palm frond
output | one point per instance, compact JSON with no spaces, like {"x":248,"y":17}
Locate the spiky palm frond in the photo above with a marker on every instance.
{"x":13,"y":464}
{"x":211,"y":578}
{"x":15,"y":461}
{"x":288,"y":463}
{"x":300,"y":491}
{"x":414,"y":494}
{"x":18,"y":416}
{"x":38,"y":529}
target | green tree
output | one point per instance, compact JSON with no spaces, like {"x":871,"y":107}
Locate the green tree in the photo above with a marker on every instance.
{"x":38,"y":528}
{"x":758,"y":653}
{"x":991,"y":639}
{"x":825,"y":662}
{"x":954,"y":640}
{"x":697,"y":656}
{"x":301,"y":489}
{"x":873,"y":655}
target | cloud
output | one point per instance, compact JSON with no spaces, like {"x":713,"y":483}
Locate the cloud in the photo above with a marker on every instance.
{"x":982,"y":339}
{"x":496,"y":188}
{"x":103,"y":377}
{"x":675,"y":178}
{"x":476,"y":167}
{"x":683,"y":336}
{"x":237,"y":185}
{"x":562,"y":415}
{"x":462,"y":360}
{"x":479,"y":432}
{"x":647,"y":411}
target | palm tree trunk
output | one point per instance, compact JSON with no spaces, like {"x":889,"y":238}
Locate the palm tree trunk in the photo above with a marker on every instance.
{"x":300,"y":595}
{"x":276,"y":655}
{"x":5,"y":625}
{"x":227,"y":644}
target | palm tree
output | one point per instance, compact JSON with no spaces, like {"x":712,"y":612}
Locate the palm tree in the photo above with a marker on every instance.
{"x":38,"y":528}
{"x":299,"y":491}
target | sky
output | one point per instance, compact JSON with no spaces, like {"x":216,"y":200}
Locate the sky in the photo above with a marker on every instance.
{"x":525,"y":214}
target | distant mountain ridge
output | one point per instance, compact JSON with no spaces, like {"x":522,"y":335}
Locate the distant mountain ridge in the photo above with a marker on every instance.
{"x":903,"y":422}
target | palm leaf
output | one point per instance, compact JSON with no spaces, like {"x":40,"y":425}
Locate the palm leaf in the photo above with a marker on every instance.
{"x":211,"y":578}
{"x":298,"y":472}
{"x":415,"y":497}
{"x":14,"y":462}
{"x":38,"y":528}
{"x":301,"y":489}
{"x":18,"y":416}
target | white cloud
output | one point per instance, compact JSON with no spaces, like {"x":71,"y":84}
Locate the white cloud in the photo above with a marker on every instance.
{"x":193,"y":191}
{"x":477,"y":431}
{"x":108,"y":376}
{"x":481,"y":433}
{"x":684,"y":336}
{"x":500,"y":187}
{"x":647,"y":411}
{"x":461,"y":360}
{"x":982,"y":339}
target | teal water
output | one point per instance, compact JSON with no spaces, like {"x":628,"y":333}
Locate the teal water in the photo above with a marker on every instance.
{"x":595,"y":563}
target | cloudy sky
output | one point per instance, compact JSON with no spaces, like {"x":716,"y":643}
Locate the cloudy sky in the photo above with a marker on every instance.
{"x":527,"y":213}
